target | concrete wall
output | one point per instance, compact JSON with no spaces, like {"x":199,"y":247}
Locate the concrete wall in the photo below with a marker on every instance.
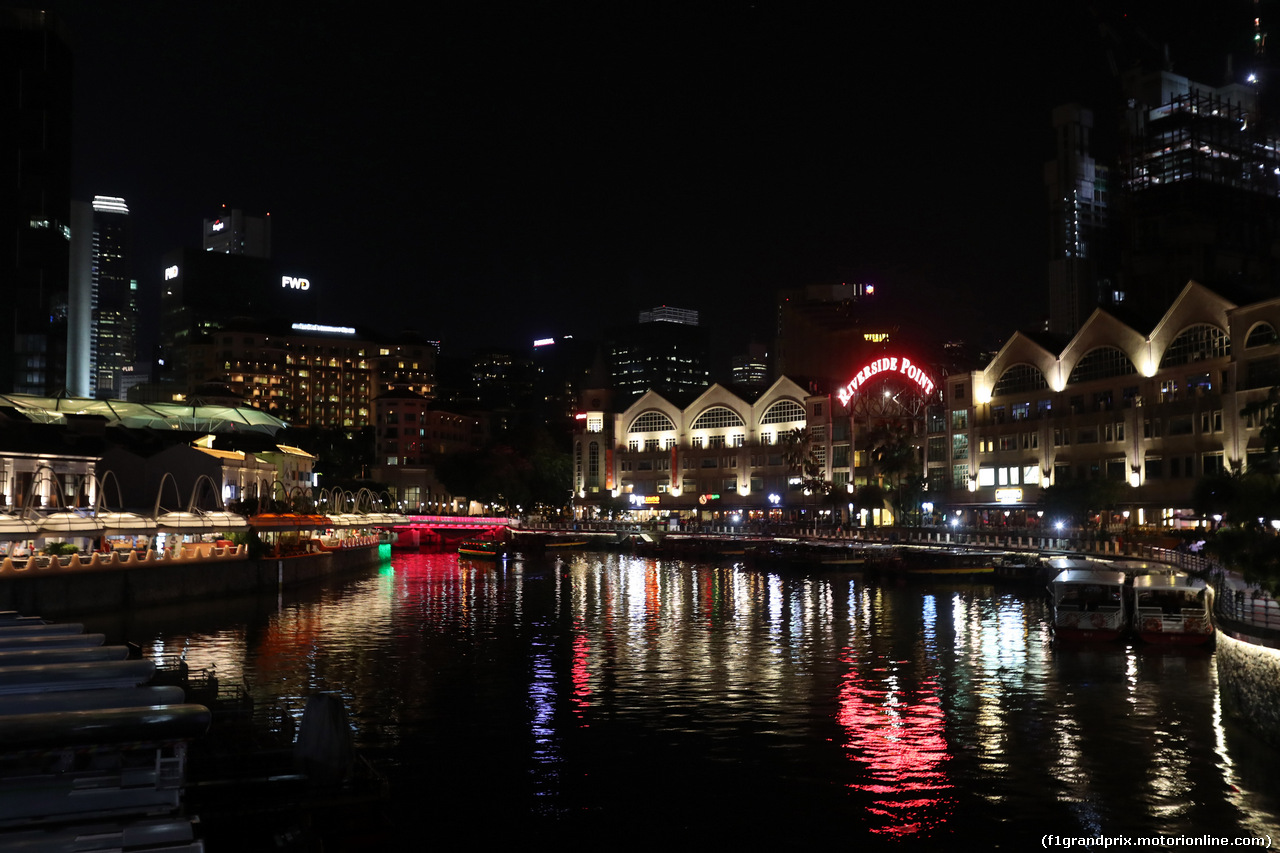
{"x":1249,"y":678}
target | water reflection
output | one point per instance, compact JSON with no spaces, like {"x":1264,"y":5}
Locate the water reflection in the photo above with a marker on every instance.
{"x":586,"y":691}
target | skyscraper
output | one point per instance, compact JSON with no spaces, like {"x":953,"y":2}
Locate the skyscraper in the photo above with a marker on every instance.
{"x":113,"y":347}
{"x":35,"y":207}
{"x":1200,"y":195}
{"x":667,"y":352}
{"x":233,"y":233}
{"x":1079,"y":195}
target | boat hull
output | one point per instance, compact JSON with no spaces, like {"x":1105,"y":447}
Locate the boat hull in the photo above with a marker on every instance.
{"x":1196,"y":631}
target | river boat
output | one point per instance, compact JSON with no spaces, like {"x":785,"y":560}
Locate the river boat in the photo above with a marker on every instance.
{"x":1171,"y":608}
{"x":1088,"y":603}
{"x":952,"y":563}
{"x":482,"y":550}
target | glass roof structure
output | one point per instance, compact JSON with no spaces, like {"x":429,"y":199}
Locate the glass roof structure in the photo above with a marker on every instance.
{"x":161,"y":416}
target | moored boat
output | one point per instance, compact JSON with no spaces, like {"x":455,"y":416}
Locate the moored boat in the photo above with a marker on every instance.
{"x":482,"y":550}
{"x":1088,"y":603}
{"x":953,"y":563}
{"x":1171,"y":608}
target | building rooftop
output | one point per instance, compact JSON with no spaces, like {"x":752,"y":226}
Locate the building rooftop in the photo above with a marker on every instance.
{"x":159,"y":416}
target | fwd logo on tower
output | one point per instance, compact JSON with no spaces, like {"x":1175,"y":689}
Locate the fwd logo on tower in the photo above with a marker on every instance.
{"x":295,"y":283}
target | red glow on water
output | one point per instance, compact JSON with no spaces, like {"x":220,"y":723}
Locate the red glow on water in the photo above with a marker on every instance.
{"x":899,"y":736}
{"x":581,"y":675}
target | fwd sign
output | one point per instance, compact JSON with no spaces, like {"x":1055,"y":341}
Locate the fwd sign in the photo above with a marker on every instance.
{"x":295,"y":283}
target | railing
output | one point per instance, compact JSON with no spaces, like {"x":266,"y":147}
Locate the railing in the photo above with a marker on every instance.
{"x":1245,"y":604}
{"x":11,"y":566}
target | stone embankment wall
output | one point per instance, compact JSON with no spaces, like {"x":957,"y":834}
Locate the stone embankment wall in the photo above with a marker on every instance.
{"x":155,"y":582}
{"x":1249,"y":678}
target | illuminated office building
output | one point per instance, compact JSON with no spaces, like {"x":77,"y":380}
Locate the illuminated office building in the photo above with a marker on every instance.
{"x":233,"y":233}
{"x":1079,"y":197}
{"x":308,"y":374}
{"x":666,"y":352}
{"x":113,"y":299}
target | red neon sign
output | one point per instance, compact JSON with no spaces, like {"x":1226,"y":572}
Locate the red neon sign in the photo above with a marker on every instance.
{"x":886,"y":365}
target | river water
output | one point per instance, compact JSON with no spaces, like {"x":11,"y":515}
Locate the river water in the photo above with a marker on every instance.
{"x":605,"y":699}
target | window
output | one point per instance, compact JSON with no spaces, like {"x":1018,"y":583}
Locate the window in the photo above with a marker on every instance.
{"x":650,"y":422}
{"x":731,"y":485}
{"x":1196,"y":343}
{"x":783,"y":411}
{"x":959,"y":447}
{"x":959,"y":476}
{"x":1261,"y":335}
{"x":1019,"y":379}
{"x":986,"y":476}
{"x":651,"y":444}
{"x":697,"y":441}
{"x":738,"y":440}
{"x":1022,"y":411}
{"x":1101,"y":363}
{"x":717,"y":417}
{"x":959,"y":419}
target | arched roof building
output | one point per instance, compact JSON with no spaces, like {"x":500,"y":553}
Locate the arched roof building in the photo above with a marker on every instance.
{"x":721,"y":447}
{"x":1151,"y":410}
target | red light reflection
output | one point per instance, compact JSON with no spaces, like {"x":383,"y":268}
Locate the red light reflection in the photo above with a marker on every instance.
{"x":581,"y":675}
{"x":904,"y":748}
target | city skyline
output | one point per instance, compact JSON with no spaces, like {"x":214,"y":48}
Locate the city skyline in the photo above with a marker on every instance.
{"x":574,"y":166}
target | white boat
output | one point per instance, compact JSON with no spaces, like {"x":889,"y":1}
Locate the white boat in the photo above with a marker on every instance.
{"x":1171,"y":608}
{"x":1089,"y":603}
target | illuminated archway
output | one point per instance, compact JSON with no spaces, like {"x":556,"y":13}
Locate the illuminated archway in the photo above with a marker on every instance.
{"x":886,"y":390}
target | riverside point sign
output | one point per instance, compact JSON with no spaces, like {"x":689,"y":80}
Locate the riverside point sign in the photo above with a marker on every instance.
{"x":886,"y":365}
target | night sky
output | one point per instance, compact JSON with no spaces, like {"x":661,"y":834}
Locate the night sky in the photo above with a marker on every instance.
{"x":491,"y":173}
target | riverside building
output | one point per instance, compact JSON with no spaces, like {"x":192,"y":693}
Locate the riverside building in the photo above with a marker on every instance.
{"x":1150,"y":410}
{"x":720,"y":455}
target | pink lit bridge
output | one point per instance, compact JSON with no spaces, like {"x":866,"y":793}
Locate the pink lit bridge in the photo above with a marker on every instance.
{"x":427,"y":531}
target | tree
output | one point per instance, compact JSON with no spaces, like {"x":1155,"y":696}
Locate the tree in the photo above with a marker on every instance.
{"x":896,"y":461}
{"x":800,"y":456}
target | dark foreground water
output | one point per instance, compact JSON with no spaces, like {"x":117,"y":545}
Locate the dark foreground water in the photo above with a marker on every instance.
{"x":612,"y":701}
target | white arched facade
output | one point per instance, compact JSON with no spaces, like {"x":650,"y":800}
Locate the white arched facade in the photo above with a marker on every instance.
{"x":1153,"y":412}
